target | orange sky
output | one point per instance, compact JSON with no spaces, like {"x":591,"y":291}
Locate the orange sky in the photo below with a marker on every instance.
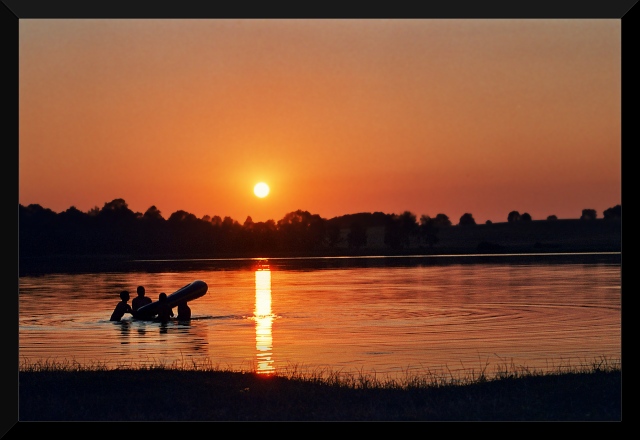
{"x":337,"y":116}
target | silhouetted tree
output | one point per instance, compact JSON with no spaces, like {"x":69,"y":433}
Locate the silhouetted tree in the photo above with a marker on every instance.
{"x":614,"y":212}
{"x":408,"y":224}
{"x":116,"y":232}
{"x":513,"y":216}
{"x":117,"y":211}
{"x":400,"y":229}
{"x":152,"y":213}
{"x":357,"y":236}
{"x":37,"y":230}
{"x":442,"y":220}
{"x":264,"y":236}
{"x":429,"y":230}
{"x":229,"y":223}
{"x":333,"y":234}
{"x":151,"y":235}
{"x":392,"y":237}
{"x":73,"y":234}
{"x":229,"y":232}
{"x":73,"y":215}
{"x":246,"y":239}
{"x":182,"y":216}
{"x":187,"y":234}
{"x":366,"y":219}
{"x":588,"y":214}
{"x":301,"y":230}
{"x":525,"y":217}
{"x":552,"y":218}
{"x":488,"y":222}
{"x":466,"y":220}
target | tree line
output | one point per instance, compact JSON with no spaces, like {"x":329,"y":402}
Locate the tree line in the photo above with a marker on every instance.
{"x":117,"y":230}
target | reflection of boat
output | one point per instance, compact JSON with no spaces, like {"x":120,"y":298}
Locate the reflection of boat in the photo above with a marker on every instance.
{"x":187,"y":293}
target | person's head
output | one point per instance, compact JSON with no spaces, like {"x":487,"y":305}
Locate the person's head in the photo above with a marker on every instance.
{"x":162,"y":296}
{"x":140,"y":290}
{"x":124,"y":295}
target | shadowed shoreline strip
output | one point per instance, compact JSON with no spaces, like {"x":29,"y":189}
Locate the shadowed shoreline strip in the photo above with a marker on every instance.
{"x":182,"y":395}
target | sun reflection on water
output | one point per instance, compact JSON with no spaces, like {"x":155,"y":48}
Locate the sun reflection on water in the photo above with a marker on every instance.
{"x":264,"y":321}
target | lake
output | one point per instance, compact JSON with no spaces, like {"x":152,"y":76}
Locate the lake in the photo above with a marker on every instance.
{"x":400,"y":316}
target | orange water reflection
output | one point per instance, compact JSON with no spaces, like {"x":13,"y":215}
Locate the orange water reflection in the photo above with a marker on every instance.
{"x":389,"y":320}
{"x":264,"y":321}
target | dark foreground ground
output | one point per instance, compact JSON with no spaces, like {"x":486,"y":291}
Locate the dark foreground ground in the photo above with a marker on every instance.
{"x":170,"y":395}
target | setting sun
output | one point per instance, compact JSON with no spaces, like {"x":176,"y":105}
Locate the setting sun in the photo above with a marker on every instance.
{"x":261,"y":190}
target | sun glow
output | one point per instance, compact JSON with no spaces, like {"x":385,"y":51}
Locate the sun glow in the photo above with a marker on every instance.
{"x":261,"y":190}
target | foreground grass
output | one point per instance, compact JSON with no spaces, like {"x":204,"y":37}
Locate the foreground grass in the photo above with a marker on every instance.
{"x":70,"y":392}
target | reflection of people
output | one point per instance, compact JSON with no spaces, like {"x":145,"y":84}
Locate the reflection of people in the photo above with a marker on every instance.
{"x":122,"y":307}
{"x":164,"y":311}
{"x":140,"y":300}
{"x":184,"y":312}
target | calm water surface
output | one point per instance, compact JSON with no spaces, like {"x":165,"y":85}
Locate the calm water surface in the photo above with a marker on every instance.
{"x":293,"y":315}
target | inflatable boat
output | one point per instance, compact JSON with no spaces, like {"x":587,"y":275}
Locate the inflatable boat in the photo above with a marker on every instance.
{"x":191,"y":291}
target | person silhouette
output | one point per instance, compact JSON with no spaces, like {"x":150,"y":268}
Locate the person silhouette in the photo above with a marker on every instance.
{"x":122,"y":307}
{"x":140,"y":300}
{"x":184,"y":312}
{"x":164,"y":311}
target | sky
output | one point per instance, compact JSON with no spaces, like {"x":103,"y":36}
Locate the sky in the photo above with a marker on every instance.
{"x":451,"y":116}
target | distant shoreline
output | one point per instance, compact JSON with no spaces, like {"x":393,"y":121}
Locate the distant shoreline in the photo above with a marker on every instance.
{"x":600,"y":235}
{"x":101,"y":263}
{"x":561,"y":240}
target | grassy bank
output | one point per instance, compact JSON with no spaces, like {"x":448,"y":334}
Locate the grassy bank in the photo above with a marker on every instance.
{"x":74,"y":393}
